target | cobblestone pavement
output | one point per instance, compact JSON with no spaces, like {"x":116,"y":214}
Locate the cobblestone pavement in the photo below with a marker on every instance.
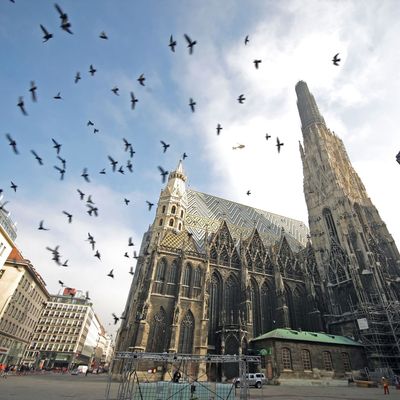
{"x":93,"y":387}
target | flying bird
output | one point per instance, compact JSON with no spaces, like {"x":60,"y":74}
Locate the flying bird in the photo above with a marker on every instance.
{"x":97,"y":254}
{"x":103,"y":171}
{"x":61,"y":171}
{"x":90,"y":123}
{"x":61,"y":283}
{"x":130,"y":242}
{"x":239,"y":146}
{"x":115,"y":90}
{"x":248,"y":193}
{"x":12,"y":143}
{"x":192,"y":104}
{"x":134,"y":100}
{"x":92,"y":70}
{"x":41,"y":227}
{"x":63,"y":161}
{"x":184,"y":155}
{"x":113,"y":163}
{"x":131,"y":152}
{"x":126,"y":201}
{"x":13,"y":186}
{"x":131,"y":271}
{"x":77,"y":77}
{"x":92,"y":210}
{"x":39,"y":160}
{"x":149,"y":205}
{"x":110,"y":274}
{"x":116,"y":319}
{"x":85,"y":175}
{"x":336,"y":59}
{"x":56,"y":146}
{"x":46,"y":35}
{"x":65,"y":263}
{"x":163,"y":173}
{"x":65,"y":24}
{"x":68,"y":215}
{"x":58,"y":96}
{"x":191,"y":43}
{"x":129,"y":166}
{"x":127,"y":144}
{"x":219,"y":129}
{"x":241,"y":99}
{"x":279,"y":144}
{"x":267,"y":136}
{"x":103,"y":35}
{"x":246,"y":40}
{"x":165,"y":145}
{"x":121,"y":170}
{"x":95,"y":130}
{"x":81,"y":194}
{"x":33,"y":91}
{"x":172,"y":44}
{"x":87,"y":295}
{"x":89,"y":199}
{"x":257,"y":63}
{"x":141,"y":79}
{"x":21,"y":105}
{"x":126,"y":254}
{"x":2,"y":206}
{"x":398,"y":157}
{"x":91,"y":240}
{"x":135,"y":256}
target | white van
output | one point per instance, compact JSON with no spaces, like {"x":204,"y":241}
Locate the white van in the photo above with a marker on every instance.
{"x":256,"y":379}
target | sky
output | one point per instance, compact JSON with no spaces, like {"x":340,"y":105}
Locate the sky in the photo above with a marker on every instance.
{"x":295,"y":39}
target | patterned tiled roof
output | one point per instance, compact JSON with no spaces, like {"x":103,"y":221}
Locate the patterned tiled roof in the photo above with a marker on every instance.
{"x":206,"y":212}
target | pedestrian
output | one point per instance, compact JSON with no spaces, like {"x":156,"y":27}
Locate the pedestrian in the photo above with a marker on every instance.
{"x":385,"y":384}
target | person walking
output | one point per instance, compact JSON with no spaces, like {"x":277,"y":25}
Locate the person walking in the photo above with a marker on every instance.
{"x":385,"y":383}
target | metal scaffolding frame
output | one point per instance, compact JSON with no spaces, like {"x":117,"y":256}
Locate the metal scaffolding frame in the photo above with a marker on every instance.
{"x":129,"y":386}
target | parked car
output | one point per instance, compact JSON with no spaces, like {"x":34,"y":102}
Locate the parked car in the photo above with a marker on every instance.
{"x":256,"y":379}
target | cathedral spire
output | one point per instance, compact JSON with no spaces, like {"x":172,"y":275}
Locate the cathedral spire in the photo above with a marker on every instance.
{"x":308,"y":109}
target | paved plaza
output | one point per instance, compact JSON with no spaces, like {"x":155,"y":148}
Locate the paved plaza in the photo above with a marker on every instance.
{"x":93,"y":387}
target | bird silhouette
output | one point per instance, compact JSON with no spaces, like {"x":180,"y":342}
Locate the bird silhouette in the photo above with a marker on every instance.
{"x":116,"y":319}
{"x":134,"y":100}
{"x":95,"y":130}
{"x":58,"y":96}
{"x":12,"y":143}
{"x":41,"y":227}
{"x":92,"y":70}
{"x":115,"y":90}
{"x":219,"y":129}
{"x":246,"y":40}
{"x":63,"y":161}
{"x":68,"y":215}
{"x":89,"y":123}
{"x":65,"y":24}
{"x":121,"y":170}
{"x":130,"y":242}
{"x":103,"y":171}
{"x":126,"y":201}
{"x":2,"y":206}
{"x":248,"y":193}
{"x":398,"y":157}
{"x":77,"y":77}
{"x":267,"y":136}
{"x":192,"y":104}
{"x":87,"y":295}
{"x":89,"y":199}
{"x":56,"y":146}
{"x":131,"y":152}
{"x":239,"y":146}
{"x":131,"y":271}
{"x":257,"y":63}
{"x":165,"y":145}
{"x":113,"y":163}
{"x":190,"y":42}
{"x":141,"y":79}
{"x":97,"y":254}
{"x":61,"y":171}
{"x":85,"y":175}
{"x":39,"y":160}
{"x":241,"y":99}
{"x":149,"y":205}
{"x":91,"y":240}
{"x":81,"y":194}
{"x":127,"y":144}
{"x":61,"y":283}
{"x":13,"y":186}
{"x":65,"y":263}
{"x":126,"y":254}
{"x":163,"y":173}
{"x":110,"y":274}
{"x":135,"y":256}
{"x":46,"y":35}
{"x":103,"y":35}
{"x":21,"y":105}
{"x":336,"y":59}
{"x":92,"y":210}
{"x":33,"y":89}
{"x":172,"y":43}
{"x":129,"y":166}
{"x":279,"y":144}
{"x":184,"y":155}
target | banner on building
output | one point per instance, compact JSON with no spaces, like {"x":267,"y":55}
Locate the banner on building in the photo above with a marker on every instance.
{"x":69,"y":291}
{"x":362,"y":324}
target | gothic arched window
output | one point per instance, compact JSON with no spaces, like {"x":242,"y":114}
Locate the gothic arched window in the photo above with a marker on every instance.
{"x":173,"y":210}
{"x":255,"y":305}
{"x":163,"y":209}
{"x":327,"y":359}
{"x":267,"y":308}
{"x":306,"y":359}
{"x":187,"y":275}
{"x":231,"y":299}
{"x":160,"y":276}
{"x":186,"y":335}
{"x":172,"y":278}
{"x":197,"y":282}
{"x":181,"y":213}
{"x":326,"y":212}
{"x":157,"y":341}
{"x":171,"y":222}
{"x":161,"y":222}
{"x":286,"y":358}
{"x":214,"y":307}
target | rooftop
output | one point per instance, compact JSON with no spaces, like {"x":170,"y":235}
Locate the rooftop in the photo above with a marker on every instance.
{"x":303,"y":336}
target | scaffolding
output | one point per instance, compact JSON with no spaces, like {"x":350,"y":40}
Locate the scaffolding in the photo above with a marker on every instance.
{"x":192,"y":383}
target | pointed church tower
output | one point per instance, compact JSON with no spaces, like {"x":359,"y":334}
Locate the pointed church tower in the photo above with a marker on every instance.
{"x":356,"y":254}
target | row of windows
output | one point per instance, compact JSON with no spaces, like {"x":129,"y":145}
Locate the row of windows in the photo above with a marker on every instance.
{"x":60,"y":322}
{"x":173,"y":210}
{"x":56,"y":338}
{"x":63,"y":314}
{"x":59,"y":329}
{"x":52,"y":347}
{"x":65,"y":307}
{"x":15,"y":330}
{"x":5,"y":341}
{"x":20,"y":316}
{"x":306,"y":360}
{"x":171,"y":223}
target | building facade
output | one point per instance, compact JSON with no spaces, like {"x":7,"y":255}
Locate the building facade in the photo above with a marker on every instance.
{"x":23,"y":294}
{"x":8,"y":234}
{"x":67,"y":333}
{"x":356,"y":255}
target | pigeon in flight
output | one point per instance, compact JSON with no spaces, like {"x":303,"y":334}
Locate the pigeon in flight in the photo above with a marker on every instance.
{"x":219,"y":129}
{"x":257,"y":63}
{"x":191,"y":43}
{"x":21,"y":105}
{"x":267,"y":136}
{"x":279,"y":144}
{"x":68,"y":215}
{"x":135,"y":256}
{"x":126,"y":254}
{"x":91,"y":240}
{"x":246,"y":40}
{"x":12,"y":143}
{"x":248,"y":193}
{"x":61,"y":283}
{"x":165,"y":145}
{"x":81,"y":194}
{"x":336,"y":59}
{"x":58,"y":96}
{"x":39,"y":160}
{"x":110,"y":274}
{"x":149,"y":205}
{"x":398,"y":157}
{"x":141,"y":79}
{"x":65,"y":263}
{"x":127,"y":201}
{"x":239,"y":146}
{"x":241,"y":99}
{"x":56,"y":146}
{"x":130,"y":242}
{"x":2,"y":206}
{"x":95,"y":130}
{"x":97,"y":254}
{"x":13,"y":186}
{"x":92,"y":70}
{"x":184,"y":155}
{"x":134,"y":100}
{"x":127,"y":144}
{"x":172,"y":44}
{"x":131,"y":271}
{"x":61,"y":171}
{"x":129,"y":166}
{"x":121,"y":170}
{"x":89,"y":199}
{"x":87,"y":295}
{"x":46,"y":35}
{"x":65,"y":24}
{"x":115,"y":90}
{"x":113,"y":163}
{"x":116,"y":319}
{"x":92,"y":210}
{"x":85,"y":175}
{"x":103,"y":35}
{"x":77,"y":77}
{"x":103,"y":171}
{"x":41,"y":227}
{"x":90,"y":123}
{"x":33,"y":91}
{"x":192,"y":104}
{"x":163,"y":173}
{"x":63,"y":161}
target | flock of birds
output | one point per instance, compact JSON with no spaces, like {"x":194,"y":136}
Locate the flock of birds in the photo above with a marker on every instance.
{"x":116,"y":167}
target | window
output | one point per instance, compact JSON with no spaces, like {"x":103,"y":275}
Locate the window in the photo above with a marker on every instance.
{"x":346,"y":362}
{"x":173,"y":210}
{"x":327,"y":359}
{"x":163,"y":209}
{"x":160,"y":276}
{"x":171,"y":222}
{"x":286,"y":358}
{"x":179,"y":226}
{"x":186,"y":335}
{"x":172,"y":278}
{"x":161,"y":222}
{"x":186,"y":280}
{"x":197,"y":282}
{"x":306,"y":358}
{"x":181,"y":213}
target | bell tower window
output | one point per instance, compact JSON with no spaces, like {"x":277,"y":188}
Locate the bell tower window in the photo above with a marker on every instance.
{"x":161,"y":222}
{"x":173,"y":210}
{"x":163,"y":209}
{"x":171,"y":222}
{"x":181,"y":213}
{"x":179,"y":226}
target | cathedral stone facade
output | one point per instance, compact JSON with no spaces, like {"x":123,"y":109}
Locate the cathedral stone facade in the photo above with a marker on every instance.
{"x":213,"y":274}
